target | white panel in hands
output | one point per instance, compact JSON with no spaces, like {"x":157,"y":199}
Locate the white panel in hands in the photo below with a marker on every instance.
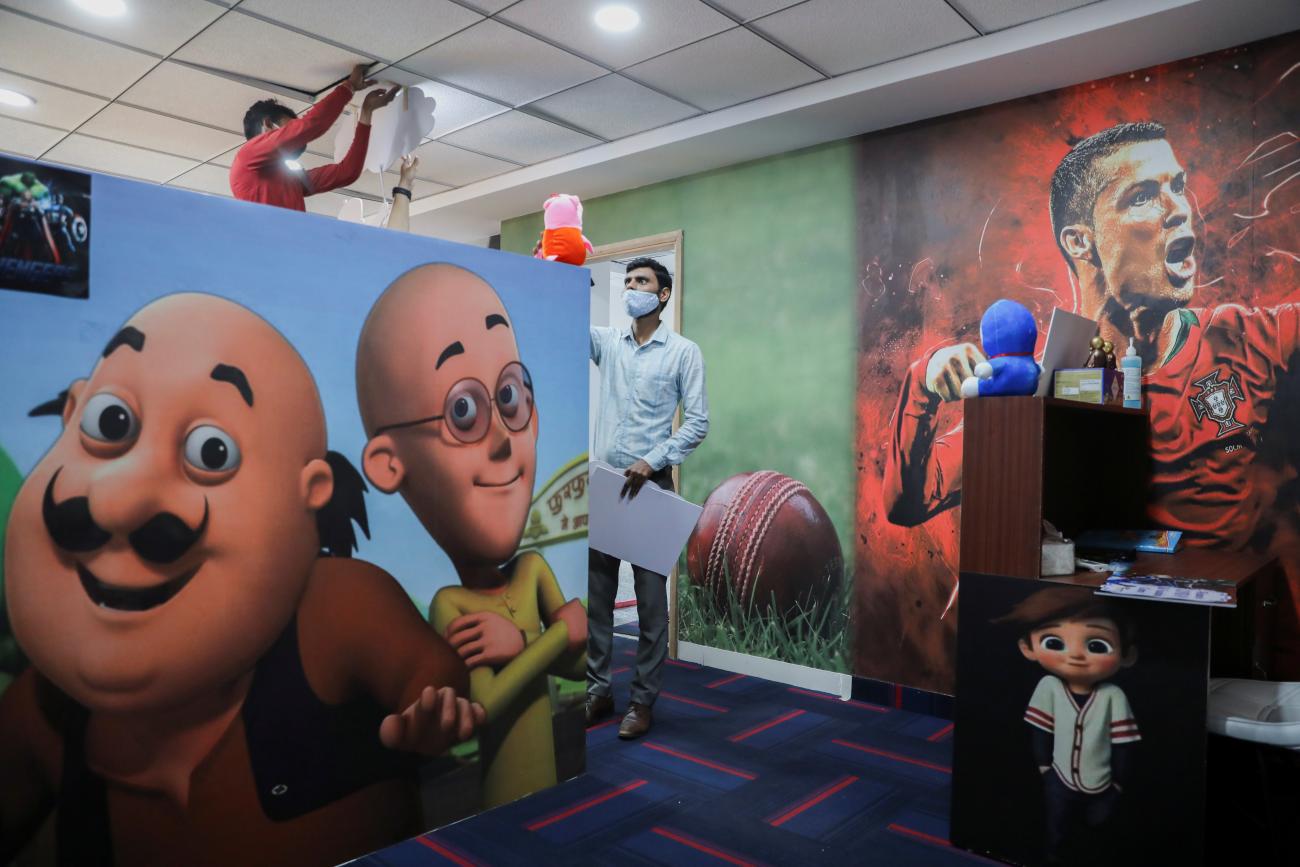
{"x":648,"y":530}
{"x":395,"y":130}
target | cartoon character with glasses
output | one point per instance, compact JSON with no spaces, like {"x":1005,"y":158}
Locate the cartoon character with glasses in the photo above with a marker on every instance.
{"x":1083,"y":727}
{"x":465,"y":458}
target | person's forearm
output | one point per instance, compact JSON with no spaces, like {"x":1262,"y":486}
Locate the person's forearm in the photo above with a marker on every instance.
{"x":399,"y":216}
{"x":299,"y":132}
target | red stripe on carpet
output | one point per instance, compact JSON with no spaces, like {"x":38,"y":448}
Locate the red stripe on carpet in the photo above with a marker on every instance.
{"x":601,"y":725}
{"x":920,"y":835}
{"x":812,"y":801}
{"x":724,"y":681}
{"x":584,"y":805}
{"x":626,"y":603}
{"x":895,"y":756}
{"x":450,"y":854}
{"x":671,"y":696}
{"x":835,"y":698}
{"x":941,"y":733}
{"x":765,"y":726}
{"x":620,"y":670}
{"x":702,"y":847}
{"x":680,"y":664}
{"x":744,"y":775}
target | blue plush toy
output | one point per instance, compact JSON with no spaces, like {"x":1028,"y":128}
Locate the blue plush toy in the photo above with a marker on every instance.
{"x":1008,"y":332}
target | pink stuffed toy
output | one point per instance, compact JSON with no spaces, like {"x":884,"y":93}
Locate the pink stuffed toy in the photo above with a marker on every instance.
{"x":562,"y":240}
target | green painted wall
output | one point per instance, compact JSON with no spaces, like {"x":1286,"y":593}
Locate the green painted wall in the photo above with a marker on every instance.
{"x":769,"y":295}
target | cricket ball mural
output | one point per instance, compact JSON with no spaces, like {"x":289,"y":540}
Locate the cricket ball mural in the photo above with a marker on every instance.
{"x":764,"y":538}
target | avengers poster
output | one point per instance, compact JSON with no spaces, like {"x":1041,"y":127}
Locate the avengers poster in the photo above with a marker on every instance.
{"x":268,"y":594}
{"x":1164,"y":203}
{"x":44,"y":229}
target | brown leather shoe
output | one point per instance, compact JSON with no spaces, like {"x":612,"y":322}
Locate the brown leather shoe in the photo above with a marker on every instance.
{"x":598,"y":707}
{"x":637,"y":721}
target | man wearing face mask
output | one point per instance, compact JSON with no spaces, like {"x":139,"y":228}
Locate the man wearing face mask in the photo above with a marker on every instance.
{"x":646,"y":371}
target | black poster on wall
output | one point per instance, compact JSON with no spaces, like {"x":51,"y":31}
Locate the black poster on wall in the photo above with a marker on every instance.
{"x":44,"y":229}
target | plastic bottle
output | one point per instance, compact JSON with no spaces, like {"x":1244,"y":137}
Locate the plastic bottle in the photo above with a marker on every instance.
{"x":1131,"y":365}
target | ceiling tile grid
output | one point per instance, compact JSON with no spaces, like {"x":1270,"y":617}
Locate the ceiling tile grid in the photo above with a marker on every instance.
{"x":182,"y":91}
{"x":59,"y":56}
{"x":665,"y":25}
{"x":502,"y":63}
{"x":157,"y":26}
{"x":26,"y":139}
{"x":55,"y":106}
{"x":389,"y":29}
{"x":748,"y":10}
{"x":145,"y":129}
{"x":733,"y":67}
{"x":206,"y":179}
{"x":521,"y":138}
{"x":118,"y":159}
{"x":846,"y":35}
{"x":991,"y":15}
{"x":455,"y":166}
{"x":613,"y":107}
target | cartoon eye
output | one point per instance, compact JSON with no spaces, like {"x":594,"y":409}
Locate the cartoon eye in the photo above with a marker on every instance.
{"x":211,"y":449}
{"x":464,"y":412}
{"x":1099,"y":646}
{"x":108,"y":419}
{"x":1052,"y":642}
{"x":508,"y":399}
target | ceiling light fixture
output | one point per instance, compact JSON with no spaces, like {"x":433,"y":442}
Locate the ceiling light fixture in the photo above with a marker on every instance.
{"x":103,"y":8}
{"x":617,"y":18}
{"x":15,"y":99}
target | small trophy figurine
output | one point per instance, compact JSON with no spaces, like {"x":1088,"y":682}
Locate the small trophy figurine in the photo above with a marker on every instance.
{"x":1109,"y":348}
{"x":1097,"y":357}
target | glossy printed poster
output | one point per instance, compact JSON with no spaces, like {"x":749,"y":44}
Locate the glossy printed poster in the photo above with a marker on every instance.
{"x":1163,"y":202}
{"x":277,"y":497}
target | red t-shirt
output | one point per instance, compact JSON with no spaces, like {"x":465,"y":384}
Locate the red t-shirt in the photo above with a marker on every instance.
{"x":260,"y":175}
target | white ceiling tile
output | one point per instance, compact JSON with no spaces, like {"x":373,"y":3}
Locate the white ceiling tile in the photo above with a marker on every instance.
{"x":520,"y":137}
{"x":206,"y":179}
{"x":455,"y":166}
{"x":190,"y":93}
{"x":26,"y":139}
{"x":118,"y":159}
{"x":225,"y":160}
{"x":489,"y":7}
{"x":498,"y":61}
{"x":456,"y":108}
{"x":62,"y":57}
{"x":665,"y":25}
{"x":844,"y":35}
{"x":990,"y":15}
{"x":613,"y":107}
{"x":250,"y":47}
{"x":748,"y":10}
{"x":732,"y":67}
{"x":160,"y":26}
{"x":55,"y":106}
{"x":391,"y":29}
{"x":144,"y":128}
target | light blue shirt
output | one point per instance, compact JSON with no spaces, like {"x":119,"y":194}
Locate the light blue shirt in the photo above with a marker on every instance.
{"x":640,"y":387}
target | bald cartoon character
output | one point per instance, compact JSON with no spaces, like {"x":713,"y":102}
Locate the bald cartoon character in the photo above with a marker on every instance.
{"x":448,"y":409}
{"x":206,"y":687}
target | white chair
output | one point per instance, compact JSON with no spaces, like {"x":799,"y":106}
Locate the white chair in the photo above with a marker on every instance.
{"x":1260,"y":711}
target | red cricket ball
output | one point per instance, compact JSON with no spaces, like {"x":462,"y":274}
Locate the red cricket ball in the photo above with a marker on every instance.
{"x":765,"y":536}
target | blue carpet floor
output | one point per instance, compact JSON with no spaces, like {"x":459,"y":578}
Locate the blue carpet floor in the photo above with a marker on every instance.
{"x":737,"y":771}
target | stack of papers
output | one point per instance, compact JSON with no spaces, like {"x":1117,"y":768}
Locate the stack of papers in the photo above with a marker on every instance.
{"x":1167,"y":588}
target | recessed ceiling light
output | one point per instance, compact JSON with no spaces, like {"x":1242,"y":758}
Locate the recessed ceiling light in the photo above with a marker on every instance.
{"x":617,"y":18}
{"x":104,"y":8}
{"x":15,"y":99}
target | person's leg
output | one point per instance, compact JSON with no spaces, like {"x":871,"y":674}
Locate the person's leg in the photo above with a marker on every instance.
{"x":602,"y":586}
{"x":652,"y":628}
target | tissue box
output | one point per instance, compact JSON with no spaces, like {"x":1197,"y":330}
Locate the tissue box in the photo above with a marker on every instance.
{"x":1058,"y":558}
{"x":1098,"y":385}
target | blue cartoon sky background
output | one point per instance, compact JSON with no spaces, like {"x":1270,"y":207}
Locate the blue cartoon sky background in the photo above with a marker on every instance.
{"x":314,"y":278}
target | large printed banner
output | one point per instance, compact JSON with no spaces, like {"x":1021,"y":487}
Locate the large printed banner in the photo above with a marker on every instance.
{"x":266,"y":487}
{"x":1163,"y":203}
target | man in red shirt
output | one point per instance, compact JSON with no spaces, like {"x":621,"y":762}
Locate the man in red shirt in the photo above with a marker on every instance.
{"x":260,"y":172}
{"x":1123,"y":222}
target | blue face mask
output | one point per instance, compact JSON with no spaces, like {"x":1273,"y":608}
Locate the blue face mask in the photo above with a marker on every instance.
{"x":639,"y":303}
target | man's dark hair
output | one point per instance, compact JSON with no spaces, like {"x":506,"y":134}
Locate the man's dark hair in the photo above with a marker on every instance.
{"x":1076,"y":182}
{"x":262,"y":111}
{"x":661,"y":273}
{"x":1067,"y":603}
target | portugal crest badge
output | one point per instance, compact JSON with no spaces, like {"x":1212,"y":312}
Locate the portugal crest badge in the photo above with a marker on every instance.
{"x":1218,"y":400}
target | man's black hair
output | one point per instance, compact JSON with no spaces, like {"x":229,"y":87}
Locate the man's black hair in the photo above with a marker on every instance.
{"x":1076,"y":182}
{"x":661,"y":273}
{"x":262,"y":111}
{"x":347,"y":505}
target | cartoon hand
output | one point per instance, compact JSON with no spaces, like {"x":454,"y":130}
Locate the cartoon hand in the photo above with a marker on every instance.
{"x":434,"y":722}
{"x":636,"y":477}
{"x":485,"y":638}
{"x":574,"y":617}
{"x":949,"y":367}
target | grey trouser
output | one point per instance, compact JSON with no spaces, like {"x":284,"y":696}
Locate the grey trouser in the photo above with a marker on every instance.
{"x":651,"y":611}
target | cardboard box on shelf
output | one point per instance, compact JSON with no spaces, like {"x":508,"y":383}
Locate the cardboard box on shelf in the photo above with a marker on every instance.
{"x":1098,"y":385}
